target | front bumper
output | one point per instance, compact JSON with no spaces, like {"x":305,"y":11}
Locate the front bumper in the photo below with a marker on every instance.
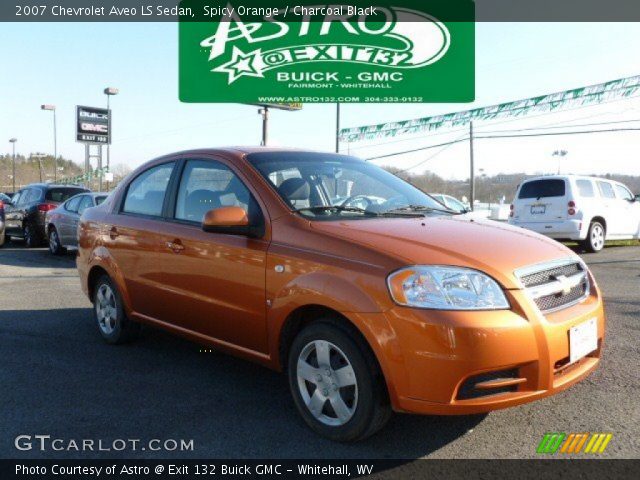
{"x":573,"y":229}
{"x":430,"y":357}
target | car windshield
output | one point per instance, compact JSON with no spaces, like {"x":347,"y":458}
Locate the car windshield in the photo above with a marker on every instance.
{"x":328,"y":187}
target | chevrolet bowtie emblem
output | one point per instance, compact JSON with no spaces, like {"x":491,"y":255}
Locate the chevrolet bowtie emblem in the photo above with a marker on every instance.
{"x":565,"y":283}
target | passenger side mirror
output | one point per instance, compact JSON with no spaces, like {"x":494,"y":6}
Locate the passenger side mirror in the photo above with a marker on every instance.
{"x":229,"y":220}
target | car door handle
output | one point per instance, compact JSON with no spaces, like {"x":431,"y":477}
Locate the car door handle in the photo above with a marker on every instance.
{"x":113,"y":233}
{"x":175,"y":246}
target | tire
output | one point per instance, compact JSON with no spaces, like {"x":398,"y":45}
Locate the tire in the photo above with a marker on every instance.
{"x":30,"y":236}
{"x":55,"y":247}
{"x":359,"y":394}
{"x":108,"y":311}
{"x":595,"y":238}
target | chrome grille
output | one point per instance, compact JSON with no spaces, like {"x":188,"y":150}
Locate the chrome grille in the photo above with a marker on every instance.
{"x":546,"y":276}
{"x":556,"y":285}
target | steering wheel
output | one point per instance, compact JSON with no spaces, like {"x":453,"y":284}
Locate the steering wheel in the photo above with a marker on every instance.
{"x":353,"y":198}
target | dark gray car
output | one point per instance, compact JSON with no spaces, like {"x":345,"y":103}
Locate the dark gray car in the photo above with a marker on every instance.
{"x":25,"y":215}
{"x":62,"y":222}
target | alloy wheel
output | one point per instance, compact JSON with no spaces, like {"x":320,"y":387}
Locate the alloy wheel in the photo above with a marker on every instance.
{"x":327,"y":383}
{"x":597,"y":237}
{"x":106,"y":309}
{"x":54,"y":241}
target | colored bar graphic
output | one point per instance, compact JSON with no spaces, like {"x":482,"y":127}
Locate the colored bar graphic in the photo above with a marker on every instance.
{"x":572,"y":443}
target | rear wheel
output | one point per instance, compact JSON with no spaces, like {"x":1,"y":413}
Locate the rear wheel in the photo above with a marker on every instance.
{"x":113,"y":324}
{"x":55,"y":247}
{"x":30,"y":236}
{"x":595,"y":238}
{"x":336,"y":383}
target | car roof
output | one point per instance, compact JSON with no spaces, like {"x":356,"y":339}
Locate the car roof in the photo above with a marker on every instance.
{"x":568,"y":177}
{"x":241,"y":151}
{"x":51,"y":185}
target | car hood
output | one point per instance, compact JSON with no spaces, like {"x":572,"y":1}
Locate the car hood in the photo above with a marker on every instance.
{"x":495,"y":248}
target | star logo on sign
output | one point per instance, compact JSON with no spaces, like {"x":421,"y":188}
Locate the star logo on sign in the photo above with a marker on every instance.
{"x":241,"y":65}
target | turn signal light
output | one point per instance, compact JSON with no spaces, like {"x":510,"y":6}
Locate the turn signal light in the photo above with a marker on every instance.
{"x":511,"y":210}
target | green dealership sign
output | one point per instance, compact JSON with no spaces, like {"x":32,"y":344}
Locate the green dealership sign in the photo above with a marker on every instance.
{"x":402,"y":51}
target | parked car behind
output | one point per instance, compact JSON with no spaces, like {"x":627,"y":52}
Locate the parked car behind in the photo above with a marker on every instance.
{"x":451,"y":203}
{"x":369,"y":306}
{"x":62,"y":222}
{"x":589,"y":210}
{"x":25,"y":216}
{"x":4,"y":200}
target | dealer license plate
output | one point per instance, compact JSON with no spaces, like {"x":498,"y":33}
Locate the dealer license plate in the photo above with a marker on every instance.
{"x":538,"y":209}
{"x":583,"y":339}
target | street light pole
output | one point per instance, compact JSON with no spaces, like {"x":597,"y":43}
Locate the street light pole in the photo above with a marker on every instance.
{"x":52,"y":108}
{"x":13,"y":141}
{"x":109,"y":91}
{"x":264,"y":111}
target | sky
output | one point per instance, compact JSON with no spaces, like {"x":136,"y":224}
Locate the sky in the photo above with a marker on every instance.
{"x":69,"y":64}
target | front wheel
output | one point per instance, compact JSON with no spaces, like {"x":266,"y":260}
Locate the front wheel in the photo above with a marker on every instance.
{"x":595,"y":238}
{"x":113,"y":324}
{"x":55,"y":247}
{"x":336,"y":383}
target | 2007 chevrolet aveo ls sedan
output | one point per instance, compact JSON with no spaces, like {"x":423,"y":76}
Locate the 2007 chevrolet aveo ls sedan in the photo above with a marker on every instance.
{"x":366,"y":291}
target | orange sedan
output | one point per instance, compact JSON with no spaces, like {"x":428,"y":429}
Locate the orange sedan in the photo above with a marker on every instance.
{"x":367,"y":292}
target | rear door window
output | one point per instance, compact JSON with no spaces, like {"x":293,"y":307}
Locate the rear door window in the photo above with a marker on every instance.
{"x":86,"y":202}
{"x":73,"y":204}
{"x":606,"y":190}
{"x":542,"y":189}
{"x":31,"y":195}
{"x":585,"y":188}
{"x":145,"y":195}
{"x":62,"y":194}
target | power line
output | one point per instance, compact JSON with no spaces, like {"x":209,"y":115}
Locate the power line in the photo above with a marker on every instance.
{"x":446,"y":144}
{"x":579,"y":132}
{"x":482,"y":137}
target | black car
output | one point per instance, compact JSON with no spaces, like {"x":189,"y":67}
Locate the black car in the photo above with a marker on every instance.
{"x":25,"y":215}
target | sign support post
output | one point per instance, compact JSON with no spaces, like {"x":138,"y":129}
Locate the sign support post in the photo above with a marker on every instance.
{"x":472,"y":173}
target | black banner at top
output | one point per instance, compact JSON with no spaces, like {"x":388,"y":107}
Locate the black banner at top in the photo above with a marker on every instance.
{"x":171,"y":11}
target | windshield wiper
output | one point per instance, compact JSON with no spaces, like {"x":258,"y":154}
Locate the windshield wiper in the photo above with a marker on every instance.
{"x":422,"y":208}
{"x":339,"y":208}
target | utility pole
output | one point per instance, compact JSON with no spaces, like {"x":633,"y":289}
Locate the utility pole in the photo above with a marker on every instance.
{"x":264,"y":111}
{"x":338,"y":127}
{"x":472,"y":176}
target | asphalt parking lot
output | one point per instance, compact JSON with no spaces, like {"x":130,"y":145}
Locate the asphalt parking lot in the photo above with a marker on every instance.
{"x":58,"y":378}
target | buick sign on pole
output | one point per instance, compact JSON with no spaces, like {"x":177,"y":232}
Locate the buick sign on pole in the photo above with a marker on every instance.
{"x":93,"y":125}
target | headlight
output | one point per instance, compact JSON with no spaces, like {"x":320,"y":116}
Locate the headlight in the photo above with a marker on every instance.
{"x":446,"y":288}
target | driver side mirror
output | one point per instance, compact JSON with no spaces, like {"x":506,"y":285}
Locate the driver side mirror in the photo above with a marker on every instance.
{"x":230,"y":221}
